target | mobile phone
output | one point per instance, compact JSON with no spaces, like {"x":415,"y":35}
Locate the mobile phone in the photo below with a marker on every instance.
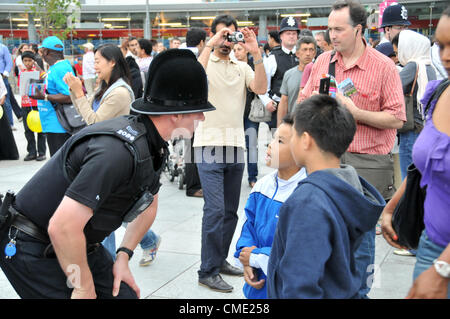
{"x":324,"y":87}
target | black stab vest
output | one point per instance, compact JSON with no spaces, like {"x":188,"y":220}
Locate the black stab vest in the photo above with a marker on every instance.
{"x":284,"y":63}
{"x":144,"y":177}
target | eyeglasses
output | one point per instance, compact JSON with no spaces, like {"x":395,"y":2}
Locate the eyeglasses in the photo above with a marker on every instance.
{"x":399,"y":27}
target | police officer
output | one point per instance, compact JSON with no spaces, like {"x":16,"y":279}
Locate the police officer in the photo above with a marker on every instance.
{"x":279,"y":61}
{"x":106,"y":174}
{"x":395,"y":19}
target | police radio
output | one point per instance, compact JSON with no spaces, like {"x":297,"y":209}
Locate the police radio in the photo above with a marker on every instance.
{"x":4,"y":210}
{"x":142,"y":204}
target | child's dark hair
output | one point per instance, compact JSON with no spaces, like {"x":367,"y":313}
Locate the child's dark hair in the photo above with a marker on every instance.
{"x":331,"y":125}
{"x":28,"y":54}
{"x":288,"y":119}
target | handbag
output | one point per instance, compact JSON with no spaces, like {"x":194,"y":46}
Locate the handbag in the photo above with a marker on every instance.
{"x":409,"y":108}
{"x":69,"y":118}
{"x":407,"y":219}
{"x":258,"y":111}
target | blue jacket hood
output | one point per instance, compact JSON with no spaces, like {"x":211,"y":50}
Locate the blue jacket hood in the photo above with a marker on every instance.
{"x":367,"y":206}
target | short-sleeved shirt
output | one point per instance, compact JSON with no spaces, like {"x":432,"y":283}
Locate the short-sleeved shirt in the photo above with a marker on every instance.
{"x":90,"y":165}
{"x":291,"y":85}
{"x":228,"y":81}
{"x":55,"y":85}
{"x":379,"y":89}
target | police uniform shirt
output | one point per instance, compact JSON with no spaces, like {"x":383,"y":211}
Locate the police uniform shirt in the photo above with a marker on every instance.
{"x":270,"y":65}
{"x":98,"y":166}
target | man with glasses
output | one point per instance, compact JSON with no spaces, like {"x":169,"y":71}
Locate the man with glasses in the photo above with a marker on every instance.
{"x":395,"y":19}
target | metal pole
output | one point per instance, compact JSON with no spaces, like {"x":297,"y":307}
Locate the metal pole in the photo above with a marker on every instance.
{"x":431,"y":18}
{"x":147,"y":34}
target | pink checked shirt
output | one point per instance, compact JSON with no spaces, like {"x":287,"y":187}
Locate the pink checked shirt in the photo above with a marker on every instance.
{"x":379,"y":88}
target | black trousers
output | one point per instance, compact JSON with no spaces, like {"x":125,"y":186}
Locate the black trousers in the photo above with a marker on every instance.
{"x":34,"y":276}
{"x":55,"y":141}
{"x":29,"y":135}
{"x":192,"y":178}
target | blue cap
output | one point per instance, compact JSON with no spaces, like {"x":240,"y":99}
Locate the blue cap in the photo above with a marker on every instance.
{"x":386,"y":48}
{"x":51,"y":43}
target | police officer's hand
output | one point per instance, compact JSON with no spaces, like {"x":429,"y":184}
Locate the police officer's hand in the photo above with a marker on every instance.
{"x":84,"y":293}
{"x":121,"y":272}
{"x":271,"y":106}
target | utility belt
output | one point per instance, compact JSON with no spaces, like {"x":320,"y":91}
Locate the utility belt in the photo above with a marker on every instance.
{"x":10,"y":217}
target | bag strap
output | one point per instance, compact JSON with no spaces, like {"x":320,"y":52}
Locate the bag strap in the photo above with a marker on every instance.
{"x":414,"y":83}
{"x":332,"y":66}
{"x":437,"y":93}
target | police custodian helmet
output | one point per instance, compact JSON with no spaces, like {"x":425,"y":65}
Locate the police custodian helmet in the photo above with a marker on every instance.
{"x":395,"y":14}
{"x":289,"y":24}
{"x":176,"y":84}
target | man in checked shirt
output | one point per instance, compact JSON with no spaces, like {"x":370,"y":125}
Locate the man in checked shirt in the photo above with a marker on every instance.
{"x":377,"y":106}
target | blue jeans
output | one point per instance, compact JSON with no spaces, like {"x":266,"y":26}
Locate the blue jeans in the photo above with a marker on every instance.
{"x":221,"y":179}
{"x":407,"y":141}
{"x":147,"y":242}
{"x":251,"y":143}
{"x":426,"y":254}
{"x":365,"y":262}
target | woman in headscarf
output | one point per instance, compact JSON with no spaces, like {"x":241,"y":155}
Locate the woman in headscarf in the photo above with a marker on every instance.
{"x":413,"y":52}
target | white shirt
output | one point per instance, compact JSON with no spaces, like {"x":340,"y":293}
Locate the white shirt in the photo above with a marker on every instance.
{"x":270,"y":65}
{"x":3,"y":90}
{"x":88,"y":65}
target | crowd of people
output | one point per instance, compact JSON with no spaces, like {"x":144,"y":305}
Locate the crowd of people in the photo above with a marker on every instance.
{"x":310,"y":225}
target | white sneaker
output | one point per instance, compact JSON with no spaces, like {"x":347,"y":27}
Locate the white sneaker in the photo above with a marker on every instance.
{"x":149,"y":255}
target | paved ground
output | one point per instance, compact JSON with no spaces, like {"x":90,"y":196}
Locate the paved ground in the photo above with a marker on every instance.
{"x":174,"y":273}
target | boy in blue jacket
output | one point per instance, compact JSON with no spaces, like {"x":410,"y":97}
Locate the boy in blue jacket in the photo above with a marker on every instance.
{"x":261,"y":211}
{"x":322,"y":223}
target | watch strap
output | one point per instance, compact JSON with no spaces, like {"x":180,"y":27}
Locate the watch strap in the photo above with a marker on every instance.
{"x":129,"y":252}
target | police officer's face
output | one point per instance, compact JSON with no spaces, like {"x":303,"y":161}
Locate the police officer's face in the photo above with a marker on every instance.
{"x":185,"y":124}
{"x":289,"y":38}
{"x":392,"y":31}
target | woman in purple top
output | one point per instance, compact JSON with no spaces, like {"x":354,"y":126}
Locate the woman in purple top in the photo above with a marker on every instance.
{"x":431,"y":155}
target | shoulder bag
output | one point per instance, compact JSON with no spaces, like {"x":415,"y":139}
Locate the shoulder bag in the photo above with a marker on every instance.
{"x":69,"y":118}
{"x":409,"y":108}
{"x":407,"y":219}
{"x":258,"y":111}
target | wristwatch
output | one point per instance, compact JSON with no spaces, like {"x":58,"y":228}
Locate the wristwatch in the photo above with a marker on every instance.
{"x":126,"y":250}
{"x":442,"y":268}
{"x":45,"y":97}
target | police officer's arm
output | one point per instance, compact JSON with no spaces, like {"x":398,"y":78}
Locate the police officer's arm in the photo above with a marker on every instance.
{"x":66,"y":234}
{"x":270,"y":65}
{"x":133,"y":235}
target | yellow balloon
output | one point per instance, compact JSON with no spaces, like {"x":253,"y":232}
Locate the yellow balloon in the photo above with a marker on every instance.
{"x":33,"y":121}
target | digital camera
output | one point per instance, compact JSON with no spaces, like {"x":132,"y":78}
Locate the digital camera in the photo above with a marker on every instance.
{"x":235,"y":37}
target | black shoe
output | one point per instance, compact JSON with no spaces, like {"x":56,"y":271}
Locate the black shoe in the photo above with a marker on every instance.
{"x":227,"y":269}
{"x":215,"y":283}
{"x":30,"y":157}
{"x":41,"y":158}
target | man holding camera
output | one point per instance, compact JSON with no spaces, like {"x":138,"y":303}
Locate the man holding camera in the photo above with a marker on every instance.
{"x":220,"y":142}
{"x":279,"y":61}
